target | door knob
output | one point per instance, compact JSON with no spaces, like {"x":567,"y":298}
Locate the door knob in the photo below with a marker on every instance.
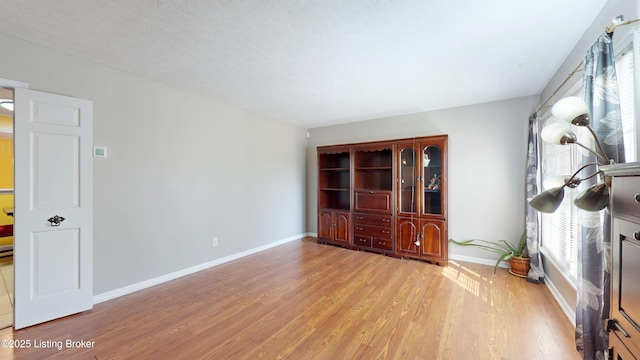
{"x":55,"y":221}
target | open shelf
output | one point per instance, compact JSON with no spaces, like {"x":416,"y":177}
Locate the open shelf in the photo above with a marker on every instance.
{"x":334,"y":161}
{"x":334,"y":180}
{"x":373,"y":169}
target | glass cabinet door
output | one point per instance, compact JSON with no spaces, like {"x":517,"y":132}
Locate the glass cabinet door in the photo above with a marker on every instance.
{"x":408,"y":182}
{"x":432,"y":179}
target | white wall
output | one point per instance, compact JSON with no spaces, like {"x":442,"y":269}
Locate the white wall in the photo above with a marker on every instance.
{"x":180,"y":169}
{"x":487,"y":155}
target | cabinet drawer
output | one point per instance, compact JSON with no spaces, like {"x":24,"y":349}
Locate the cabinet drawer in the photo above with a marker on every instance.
{"x":375,"y":231}
{"x":626,"y":195}
{"x":620,"y":349}
{"x":370,"y":219}
{"x":373,"y":201}
{"x":625,"y":287}
{"x":383,"y":244}
{"x":362,"y":241}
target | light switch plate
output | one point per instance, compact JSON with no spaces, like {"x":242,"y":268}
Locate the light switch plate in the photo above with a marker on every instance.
{"x":100,"y":151}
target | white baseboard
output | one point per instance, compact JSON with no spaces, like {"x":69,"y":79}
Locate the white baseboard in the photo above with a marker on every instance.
{"x":568,"y":310}
{"x":477,"y":260}
{"x":109,"y":295}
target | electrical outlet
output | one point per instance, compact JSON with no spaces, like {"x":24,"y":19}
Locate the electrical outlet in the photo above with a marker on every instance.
{"x":214,"y":241}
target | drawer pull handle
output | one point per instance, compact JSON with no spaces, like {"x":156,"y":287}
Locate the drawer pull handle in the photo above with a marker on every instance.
{"x":636,"y":235}
{"x":636,"y":197}
{"x":612,"y":324}
{"x":621,"y":329}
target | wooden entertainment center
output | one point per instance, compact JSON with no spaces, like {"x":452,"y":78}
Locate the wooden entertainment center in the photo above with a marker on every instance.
{"x":388,"y":197}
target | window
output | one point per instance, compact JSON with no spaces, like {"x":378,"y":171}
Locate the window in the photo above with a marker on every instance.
{"x":626,"y":80}
{"x":559,"y":231}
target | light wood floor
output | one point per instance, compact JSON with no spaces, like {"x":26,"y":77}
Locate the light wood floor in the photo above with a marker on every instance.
{"x":302,"y":300}
{"x":6,"y":290}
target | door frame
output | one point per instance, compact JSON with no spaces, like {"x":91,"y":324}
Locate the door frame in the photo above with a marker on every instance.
{"x":6,"y":83}
{"x":12,"y":84}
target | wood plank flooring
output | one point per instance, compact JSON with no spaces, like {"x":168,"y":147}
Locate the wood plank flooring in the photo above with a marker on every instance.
{"x":302,"y":300}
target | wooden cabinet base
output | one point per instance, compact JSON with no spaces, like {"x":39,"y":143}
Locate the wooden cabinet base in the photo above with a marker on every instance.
{"x":334,"y":227}
{"x":422,"y":239}
{"x":439,"y":262}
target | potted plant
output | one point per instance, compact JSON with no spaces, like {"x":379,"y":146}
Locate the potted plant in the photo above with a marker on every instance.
{"x":516,"y":255}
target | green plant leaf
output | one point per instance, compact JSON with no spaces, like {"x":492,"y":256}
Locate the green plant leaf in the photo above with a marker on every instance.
{"x":509,"y":246}
{"x":522,"y":248}
{"x":502,"y":258}
{"x":505,"y":249}
{"x":492,"y":246}
{"x":463,"y":243}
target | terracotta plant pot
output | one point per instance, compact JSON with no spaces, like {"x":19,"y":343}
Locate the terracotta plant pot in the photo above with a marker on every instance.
{"x":519,"y":266}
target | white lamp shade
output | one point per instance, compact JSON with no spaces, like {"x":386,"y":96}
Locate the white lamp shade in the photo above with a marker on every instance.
{"x":571,"y":108}
{"x":557,"y":133}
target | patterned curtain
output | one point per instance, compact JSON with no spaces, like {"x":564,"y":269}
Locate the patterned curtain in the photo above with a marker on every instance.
{"x":536,"y":272}
{"x":594,"y":249}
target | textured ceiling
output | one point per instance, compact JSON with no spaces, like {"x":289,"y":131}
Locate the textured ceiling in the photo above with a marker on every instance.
{"x":321,"y":62}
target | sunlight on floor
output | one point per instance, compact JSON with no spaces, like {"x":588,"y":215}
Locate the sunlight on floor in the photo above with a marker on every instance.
{"x":465,"y":278}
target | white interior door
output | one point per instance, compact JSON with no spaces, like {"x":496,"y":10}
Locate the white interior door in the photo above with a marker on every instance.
{"x":53,"y":223}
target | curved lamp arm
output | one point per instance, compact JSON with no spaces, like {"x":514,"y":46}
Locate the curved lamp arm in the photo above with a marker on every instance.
{"x":598,"y":144}
{"x":571,"y":183}
{"x":549,"y":200}
{"x":560,"y":133}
